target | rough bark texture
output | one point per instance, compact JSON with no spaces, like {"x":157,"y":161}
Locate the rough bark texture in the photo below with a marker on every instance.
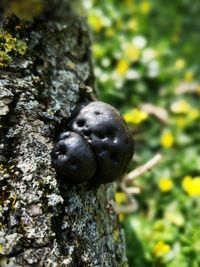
{"x":43,"y":223}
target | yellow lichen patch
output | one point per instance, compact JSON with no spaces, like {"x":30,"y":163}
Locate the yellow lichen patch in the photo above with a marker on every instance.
{"x":10,"y":45}
{"x":25,"y":10}
{"x":14,"y":199}
{"x":4,"y":59}
{"x":1,"y":248}
{"x":116,"y":235}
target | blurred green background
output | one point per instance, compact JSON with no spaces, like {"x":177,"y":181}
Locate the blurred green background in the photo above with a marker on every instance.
{"x":146,"y":58}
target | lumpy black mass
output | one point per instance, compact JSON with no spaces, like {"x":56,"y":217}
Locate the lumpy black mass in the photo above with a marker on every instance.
{"x":102,"y":126}
{"x":73,"y":159}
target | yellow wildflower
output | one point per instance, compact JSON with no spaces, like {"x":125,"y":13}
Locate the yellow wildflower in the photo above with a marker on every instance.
{"x":95,"y":22}
{"x":130,"y":3}
{"x":175,"y":217}
{"x":181,"y":122}
{"x":97,"y":51}
{"x":122,"y":67}
{"x":180,"y":64}
{"x":120,"y":197}
{"x":165,"y":184}
{"x":193,"y":114}
{"x":145,"y":7}
{"x":132,"y":53}
{"x":167,"y":139}
{"x":191,"y":185}
{"x":110,"y":32}
{"x":180,"y":106}
{"x":135,"y":116}
{"x":189,"y":75}
{"x":160,"y":249}
{"x":133,"y":25}
{"x":119,"y":23}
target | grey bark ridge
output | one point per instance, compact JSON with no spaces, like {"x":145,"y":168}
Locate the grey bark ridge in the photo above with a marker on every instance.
{"x":43,"y":223}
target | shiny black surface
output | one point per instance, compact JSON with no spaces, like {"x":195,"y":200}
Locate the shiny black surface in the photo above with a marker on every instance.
{"x":109,"y":137}
{"x":73,"y":159}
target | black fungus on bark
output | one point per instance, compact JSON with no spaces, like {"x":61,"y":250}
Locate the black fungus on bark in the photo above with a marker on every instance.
{"x":109,"y":137}
{"x":73,"y":159}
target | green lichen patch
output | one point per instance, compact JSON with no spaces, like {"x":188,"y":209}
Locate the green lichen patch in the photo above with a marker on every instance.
{"x":10,"y":45}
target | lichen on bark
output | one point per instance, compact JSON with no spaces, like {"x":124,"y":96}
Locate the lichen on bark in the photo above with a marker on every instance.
{"x":43,"y":223}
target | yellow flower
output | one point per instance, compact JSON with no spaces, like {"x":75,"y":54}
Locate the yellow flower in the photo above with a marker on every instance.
{"x":122,"y":67}
{"x":95,"y":22}
{"x":180,"y":64}
{"x":145,"y":7}
{"x":135,"y":116}
{"x":175,"y":217}
{"x":181,"y":122}
{"x":133,"y":25}
{"x":129,"y":2}
{"x":167,"y":139}
{"x":180,"y":106}
{"x":160,"y":249}
{"x":193,"y":114}
{"x":132,"y":53}
{"x":97,"y":51}
{"x":119,"y":23}
{"x":189,"y":75}
{"x":110,"y":32}
{"x":120,"y":197}
{"x":191,"y":185}
{"x":165,"y":184}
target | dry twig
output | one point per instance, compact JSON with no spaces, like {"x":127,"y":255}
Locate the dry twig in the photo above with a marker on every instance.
{"x":158,"y":112}
{"x":142,"y":169}
{"x":187,"y":88}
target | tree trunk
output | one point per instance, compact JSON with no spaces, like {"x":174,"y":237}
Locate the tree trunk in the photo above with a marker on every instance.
{"x":43,"y":223}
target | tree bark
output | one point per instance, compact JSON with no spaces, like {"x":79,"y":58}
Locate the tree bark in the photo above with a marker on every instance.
{"x":43,"y":223}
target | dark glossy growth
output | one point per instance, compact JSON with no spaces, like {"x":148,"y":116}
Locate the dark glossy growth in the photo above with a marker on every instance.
{"x":73,"y":159}
{"x":109,"y":137}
